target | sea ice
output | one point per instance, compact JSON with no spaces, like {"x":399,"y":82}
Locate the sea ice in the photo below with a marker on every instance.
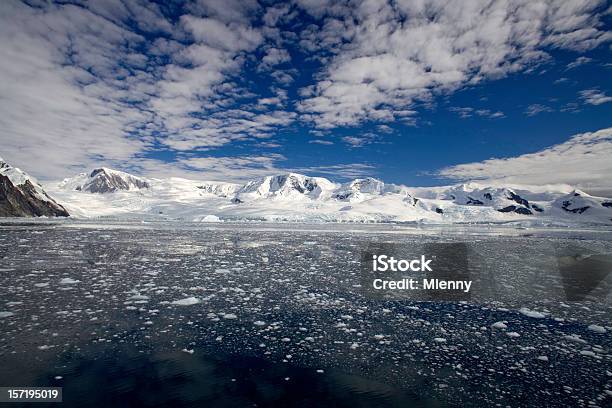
{"x":186,"y":301}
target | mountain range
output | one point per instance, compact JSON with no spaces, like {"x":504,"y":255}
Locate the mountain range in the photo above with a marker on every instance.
{"x":105,"y":192}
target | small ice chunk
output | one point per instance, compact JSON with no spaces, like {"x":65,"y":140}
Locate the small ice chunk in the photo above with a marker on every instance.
{"x":439,"y":339}
{"x":6,"y":314}
{"x":230,"y":316}
{"x":499,"y":325}
{"x":139,"y":297}
{"x":187,"y":301}
{"x":188,"y":351}
{"x":259,"y":323}
{"x":597,"y":329}
{"x":513,"y":334}
{"x":574,"y":337}
{"x":68,"y":281}
{"x":531,"y":313}
{"x":542,"y":358}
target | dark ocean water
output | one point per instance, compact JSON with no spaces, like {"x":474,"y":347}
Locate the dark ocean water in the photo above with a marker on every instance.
{"x":125,"y":378}
{"x":239,"y":315}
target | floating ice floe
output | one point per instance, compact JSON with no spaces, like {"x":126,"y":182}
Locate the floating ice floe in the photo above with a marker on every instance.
{"x":531,"y":313}
{"x":499,"y":325}
{"x":6,"y":314}
{"x":68,"y":281}
{"x":187,"y":301}
{"x":575,"y":338}
{"x":597,"y":329}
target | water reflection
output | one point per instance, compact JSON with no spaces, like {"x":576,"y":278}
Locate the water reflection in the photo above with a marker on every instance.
{"x":127,"y":378}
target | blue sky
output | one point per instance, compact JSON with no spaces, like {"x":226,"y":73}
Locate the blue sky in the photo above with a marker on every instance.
{"x":419,"y":93}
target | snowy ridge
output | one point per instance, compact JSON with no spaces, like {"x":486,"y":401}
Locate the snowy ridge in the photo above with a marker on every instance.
{"x":300,"y":198}
{"x":20,"y":179}
{"x":282,"y":186}
{"x":580,"y":203}
{"x":23,"y":195}
{"x":105,"y":180}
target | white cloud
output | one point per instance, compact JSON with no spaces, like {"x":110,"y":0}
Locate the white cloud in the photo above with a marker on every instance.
{"x":360,"y":140}
{"x":594,"y":97}
{"x":578,"y":62}
{"x":236,"y":168}
{"x":321,"y":142}
{"x":244,"y":168}
{"x":226,"y":10}
{"x":341,"y":171}
{"x":109,"y":81}
{"x":273,"y":57}
{"x":384,"y":57}
{"x":582,"y":161}
{"x":80,"y":87}
{"x":52,"y":115}
{"x":537,"y":108}
{"x":226,"y":36}
{"x":467,"y":112}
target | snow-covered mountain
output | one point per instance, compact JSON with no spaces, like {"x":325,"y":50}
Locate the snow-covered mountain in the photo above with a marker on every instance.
{"x":105,"y":180}
{"x":580,"y":203}
{"x":296,"y":197}
{"x":502,"y":199}
{"x":361,"y":189}
{"x":22,"y":196}
{"x":285,"y":186}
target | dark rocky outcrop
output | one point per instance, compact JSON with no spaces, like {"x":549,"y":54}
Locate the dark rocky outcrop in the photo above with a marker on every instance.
{"x":517,"y":198}
{"x":473,"y":201}
{"x":509,"y":208}
{"x":523,"y":210}
{"x":579,"y":210}
{"x":516,"y":209}
{"x":23,"y":201}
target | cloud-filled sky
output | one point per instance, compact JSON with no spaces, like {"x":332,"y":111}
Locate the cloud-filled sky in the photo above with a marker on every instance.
{"x":408,"y":91}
